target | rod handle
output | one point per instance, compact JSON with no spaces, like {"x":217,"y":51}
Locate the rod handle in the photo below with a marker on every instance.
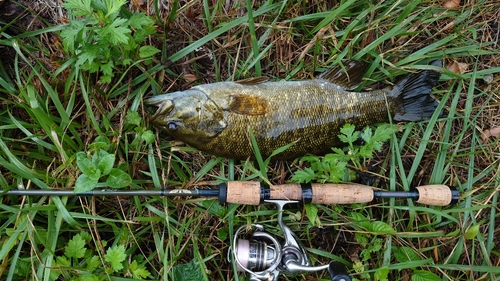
{"x":436,"y":195}
{"x":253,"y":193}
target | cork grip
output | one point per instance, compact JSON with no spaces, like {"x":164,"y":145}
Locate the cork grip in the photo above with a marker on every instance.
{"x":324,"y":193}
{"x":286,"y":192}
{"x":249,"y":193}
{"x":243,"y":192}
{"x":435,"y":195}
{"x":341,"y":193}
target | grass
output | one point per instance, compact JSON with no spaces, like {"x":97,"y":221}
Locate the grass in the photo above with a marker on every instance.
{"x":51,"y":109}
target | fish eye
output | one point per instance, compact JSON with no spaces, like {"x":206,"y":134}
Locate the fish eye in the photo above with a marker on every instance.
{"x":172,"y":126}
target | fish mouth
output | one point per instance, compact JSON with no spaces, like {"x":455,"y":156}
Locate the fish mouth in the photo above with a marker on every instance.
{"x":163,"y":107}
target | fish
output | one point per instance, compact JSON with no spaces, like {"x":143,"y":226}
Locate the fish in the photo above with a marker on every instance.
{"x":216,"y":118}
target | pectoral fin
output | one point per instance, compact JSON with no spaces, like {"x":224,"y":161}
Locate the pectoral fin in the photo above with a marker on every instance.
{"x":248,"y":104}
{"x":348,"y":77}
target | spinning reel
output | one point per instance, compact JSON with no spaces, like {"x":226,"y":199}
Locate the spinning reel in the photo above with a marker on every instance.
{"x":265,"y":258}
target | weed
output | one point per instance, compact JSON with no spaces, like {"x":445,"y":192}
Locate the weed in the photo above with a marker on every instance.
{"x":102,"y":38}
{"x":97,"y":165}
{"x":80,"y":262}
{"x":333,"y":167}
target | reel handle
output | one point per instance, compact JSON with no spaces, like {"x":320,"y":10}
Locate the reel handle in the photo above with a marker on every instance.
{"x":338,"y":272}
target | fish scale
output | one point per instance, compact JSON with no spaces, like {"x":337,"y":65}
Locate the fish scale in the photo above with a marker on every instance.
{"x":216,"y":118}
{"x":311,"y":118}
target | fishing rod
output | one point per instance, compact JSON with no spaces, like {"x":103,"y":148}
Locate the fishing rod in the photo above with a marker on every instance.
{"x":255,"y":193}
{"x":258,"y":252}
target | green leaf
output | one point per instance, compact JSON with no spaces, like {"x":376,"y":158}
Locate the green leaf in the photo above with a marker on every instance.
{"x":115,"y":256}
{"x":360,"y":220}
{"x":336,"y":168}
{"x":384,"y":132}
{"x":366,"y":135}
{"x":148,"y":137}
{"x":140,"y":35}
{"x":115,"y":33}
{"x":69,"y":36}
{"x":114,"y":6}
{"x":92,"y":67}
{"x":105,"y":79}
{"x":85,"y":58}
{"x":63,"y":260}
{"x":139,"y":20}
{"x":75,"y":248}
{"x":358,"y":267}
{"x":133,"y":118}
{"x":147,"y":51}
{"x":214,"y":207}
{"x":304,"y":176}
{"x":84,"y":183}
{"x":86,"y":236}
{"x":405,"y":254}
{"x":381,"y":274}
{"x":423,"y":275}
{"x":348,"y":134}
{"x":338,"y":153}
{"x":138,"y":271}
{"x":107,"y":68}
{"x":99,"y":7}
{"x":118,"y":179}
{"x":93,"y":51}
{"x":361,"y":238}
{"x":100,"y":143}
{"x":190,"y":271}
{"x":54,"y":273}
{"x":98,"y":154}
{"x":222,"y":233}
{"x":93,"y":263}
{"x":375,"y":246}
{"x":381,"y":228}
{"x":312,"y":213}
{"x":86,"y":165}
{"x":471,"y":232}
{"x":366,"y":151}
{"x":106,"y":162}
{"x":83,"y":5}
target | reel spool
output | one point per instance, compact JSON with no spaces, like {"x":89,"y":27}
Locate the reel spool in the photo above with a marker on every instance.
{"x":255,"y":255}
{"x":260,"y":256}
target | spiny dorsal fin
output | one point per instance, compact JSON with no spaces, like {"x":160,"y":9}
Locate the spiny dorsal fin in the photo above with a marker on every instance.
{"x":349,"y":78}
{"x":248,"y":104}
{"x":253,"y":80}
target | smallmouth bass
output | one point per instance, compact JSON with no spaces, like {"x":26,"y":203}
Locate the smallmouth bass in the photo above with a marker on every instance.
{"x":216,"y":118}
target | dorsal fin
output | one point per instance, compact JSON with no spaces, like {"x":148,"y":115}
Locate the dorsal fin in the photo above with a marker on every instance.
{"x":349,"y":78}
{"x":248,"y":104}
{"x":253,"y":80}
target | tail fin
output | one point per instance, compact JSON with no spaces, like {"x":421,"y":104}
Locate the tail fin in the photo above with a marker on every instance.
{"x":414,"y":92}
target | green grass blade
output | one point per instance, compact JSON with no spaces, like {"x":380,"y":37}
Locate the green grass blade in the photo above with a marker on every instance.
{"x":200,"y":42}
{"x":332,"y":15}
